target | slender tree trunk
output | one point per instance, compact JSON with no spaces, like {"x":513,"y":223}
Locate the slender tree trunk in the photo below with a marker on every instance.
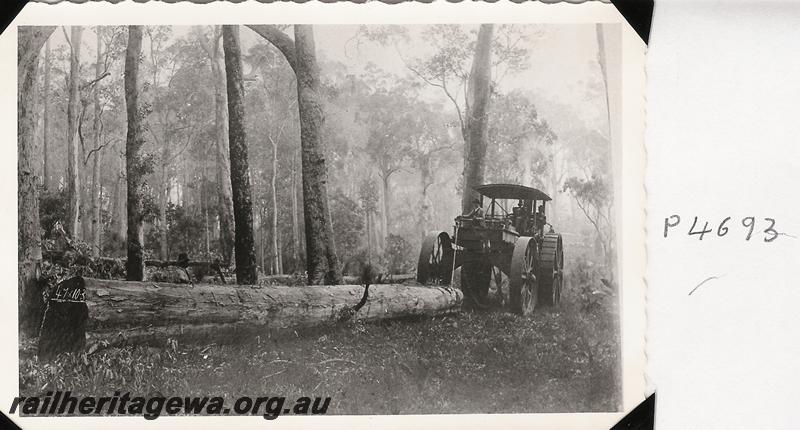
{"x":478,"y":95}
{"x":274,"y":194}
{"x":295,"y":222}
{"x":121,"y":213}
{"x":30,"y":302}
{"x":376,"y":233}
{"x":204,"y":202}
{"x":425,"y":210}
{"x":261,"y":240}
{"x":280,"y":254}
{"x":322,"y":263}
{"x":135,"y":166}
{"x":162,"y":201}
{"x":601,"y":60}
{"x":240,"y":178}
{"x":46,"y":115}
{"x":73,"y":150}
{"x":95,"y":189}
{"x":225,"y":194}
{"x":369,"y":238}
{"x":554,"y":188}
{"x":112,"y":206}
{"x":96,"y":221}
{"x":385,"y":212}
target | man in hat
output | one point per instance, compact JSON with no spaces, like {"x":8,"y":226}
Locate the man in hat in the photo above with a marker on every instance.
{"x":478,"y":211}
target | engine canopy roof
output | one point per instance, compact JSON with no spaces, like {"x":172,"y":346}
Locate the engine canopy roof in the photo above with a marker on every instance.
{"x":511,"y":191}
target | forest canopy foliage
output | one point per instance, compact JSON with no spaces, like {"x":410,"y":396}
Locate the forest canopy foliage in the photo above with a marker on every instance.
{"x":396,"y":104}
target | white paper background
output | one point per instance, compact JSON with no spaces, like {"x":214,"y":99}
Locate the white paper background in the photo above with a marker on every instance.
{"x":722,"y":140}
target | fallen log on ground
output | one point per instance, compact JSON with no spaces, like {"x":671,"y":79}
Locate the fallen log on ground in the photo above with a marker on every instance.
{"x":87,"y":313}
{"x":289,"y":279}
{"x":381,"y":278}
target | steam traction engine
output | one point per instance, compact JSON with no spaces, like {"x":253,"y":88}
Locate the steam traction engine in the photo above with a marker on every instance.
{"x":511,"y":234}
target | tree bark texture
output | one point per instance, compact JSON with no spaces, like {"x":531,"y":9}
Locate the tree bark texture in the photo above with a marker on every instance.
{"x":29,"y":255}
{"x":240,"y":177}
{"x":163,"y":246}
{"x":74,"y":153}
{"x":322,"y":262}
{"x":295,"y":221}
{"x":225,"y":194}
{"x":96,"y":221}
{"x":135,"y":166}
{"x":83,"y":312}
{"x":276,"y":262}
{"x":478,"y":95}
{"x":46,"y":118}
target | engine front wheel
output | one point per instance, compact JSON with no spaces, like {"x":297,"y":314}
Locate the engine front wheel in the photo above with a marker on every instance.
{"x":523,"y":284}
{"x":551,"y":269}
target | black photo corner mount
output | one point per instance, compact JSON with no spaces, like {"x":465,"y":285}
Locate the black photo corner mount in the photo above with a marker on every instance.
{"x":8,"y":12}
{"x":5,"y":421}
{"x":639,"y":14}
{"x":641,"y":417}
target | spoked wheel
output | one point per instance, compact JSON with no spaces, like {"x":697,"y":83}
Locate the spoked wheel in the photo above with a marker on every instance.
{"x":551,"y":269}
{"x":435,"y":263}
{"x":475,"y":279}
{"x":523,"y":291}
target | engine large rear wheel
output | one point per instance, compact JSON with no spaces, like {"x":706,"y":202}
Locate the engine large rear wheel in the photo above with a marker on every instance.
{"x":551,"y":269}
{"x":435,"y":264}
{"x":523,"y":285}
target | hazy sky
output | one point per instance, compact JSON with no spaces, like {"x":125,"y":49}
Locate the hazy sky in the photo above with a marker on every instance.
{"x":563,"y":57}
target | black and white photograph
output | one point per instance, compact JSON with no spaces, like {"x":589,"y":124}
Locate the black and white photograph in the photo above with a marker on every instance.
{"x":357,"y":218}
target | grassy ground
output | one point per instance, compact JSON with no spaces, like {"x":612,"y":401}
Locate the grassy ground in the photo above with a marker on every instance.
{"x":475,"y":362}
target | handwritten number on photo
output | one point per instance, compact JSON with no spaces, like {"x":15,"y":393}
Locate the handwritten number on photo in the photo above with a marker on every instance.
{"x":771,"y":231}
{"x":749,"y":223}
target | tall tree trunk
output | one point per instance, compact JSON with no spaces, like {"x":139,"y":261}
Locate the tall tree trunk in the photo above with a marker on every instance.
{"x":121,"y":212}
{"x":204,"y":203}
{"x":295,"y":222}
{"x":225,"y":194}
{"x":601,"y":60}
{"x":30,"y":302}
{"x":113,"y":201}
{"x":73,"y":149}
{"x":425,"y":179}
{"x":322,"y":263}
{"x":135,"y":166}
{"x":554,"y":187}
{"x":96,"y":221}
{"x":261,"y":240}
{"x":280,"y":254}
{"x":163,"y":248}
{"x":609,"y":61}
{"x":274,"y":194}
{"x":376,"y":233}
{"x":478,"y":95}
{"x":385,"y":211}
{"x":369,"y":237}
{"x":46,"y":119}
{"x":240,"y":178}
